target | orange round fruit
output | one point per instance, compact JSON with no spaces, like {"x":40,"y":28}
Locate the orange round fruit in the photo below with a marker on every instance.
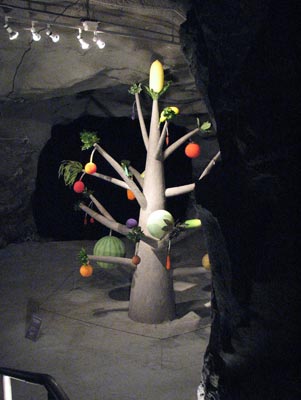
{"x":86,"y":270}
{"x":79,"y":187}
{"x":136,"y":259}
{"x":192,"y":150}
{"x":90,"y":168}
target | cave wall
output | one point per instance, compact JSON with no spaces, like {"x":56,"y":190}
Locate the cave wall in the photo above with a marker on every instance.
{"x":25,"y":129}
{"x":244,"y":56}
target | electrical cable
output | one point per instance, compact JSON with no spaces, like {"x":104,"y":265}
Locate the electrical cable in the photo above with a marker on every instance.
{"x":28,"y":50}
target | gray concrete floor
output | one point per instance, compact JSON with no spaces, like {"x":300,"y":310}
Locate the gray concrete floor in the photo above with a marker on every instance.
{"x":94,"y":353}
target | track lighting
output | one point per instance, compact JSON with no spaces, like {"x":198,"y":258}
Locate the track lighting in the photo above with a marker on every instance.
{"x":11,"y":34}
{"x":35,"y":35}
{"x":82,"y":42}
{"x":86,"y":28}
{"x":101,"y":44}
{"x":54,"y":37}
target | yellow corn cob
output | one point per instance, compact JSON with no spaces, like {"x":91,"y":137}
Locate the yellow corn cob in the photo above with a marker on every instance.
{"x":156,"y":76}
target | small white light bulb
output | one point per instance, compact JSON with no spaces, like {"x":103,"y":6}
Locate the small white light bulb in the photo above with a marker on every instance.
{"x":100,"y":43}
{"x":35,"y":35}
{"x":83,"y":43}
{"x":11,"y":34}
{"x":54,"y":37}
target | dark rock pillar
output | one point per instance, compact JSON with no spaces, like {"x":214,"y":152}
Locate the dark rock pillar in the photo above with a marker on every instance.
{"x":244,"y":57}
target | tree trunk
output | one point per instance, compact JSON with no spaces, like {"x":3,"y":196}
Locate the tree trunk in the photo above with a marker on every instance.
{"x":152,"y":299}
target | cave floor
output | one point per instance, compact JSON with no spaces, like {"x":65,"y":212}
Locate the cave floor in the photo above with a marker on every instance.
{"x":86,"y":340}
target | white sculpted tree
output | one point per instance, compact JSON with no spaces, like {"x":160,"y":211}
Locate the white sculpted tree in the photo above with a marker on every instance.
{"x":152,"y":295}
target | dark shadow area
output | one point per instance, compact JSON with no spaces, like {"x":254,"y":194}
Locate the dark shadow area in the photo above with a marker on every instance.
{"x":121,"y":293}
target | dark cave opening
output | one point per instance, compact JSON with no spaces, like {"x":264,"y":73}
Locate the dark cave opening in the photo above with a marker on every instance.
{"x":54,"y":203}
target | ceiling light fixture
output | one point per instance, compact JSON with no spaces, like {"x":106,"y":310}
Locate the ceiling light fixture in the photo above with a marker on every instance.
{"x":54,"y":37}
{"x":82,"y":42}
{"x":96,"y":39}
{"x":11,"y":34}
{"x":35,"y":35}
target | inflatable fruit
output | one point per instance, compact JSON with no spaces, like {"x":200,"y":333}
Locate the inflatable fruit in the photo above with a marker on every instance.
{"x":109,"y":246}
{"x":79,"y":187}
{"x":86,"y":270}
{"x":131,"y":223}
{"x":156,"y":76}
{"x":206,"y":262}
{"x":159,"y":222}
{"x":136,"y":260}
{"x":192,"y":223}
{"x":90,"y":168}
{"x":192,"y":150}
{"x":130,"y":195}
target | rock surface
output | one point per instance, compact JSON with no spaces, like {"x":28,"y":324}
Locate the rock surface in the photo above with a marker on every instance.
{"x":245,"y":57}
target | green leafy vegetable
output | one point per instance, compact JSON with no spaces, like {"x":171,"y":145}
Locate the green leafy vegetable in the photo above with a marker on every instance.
{"x":83,"y":256}
{"x":155,"y":95}
{"x":69,"y":170}
{"x":135,"y":234}
{"x":88,"y":139}
{"x":136,"y":88}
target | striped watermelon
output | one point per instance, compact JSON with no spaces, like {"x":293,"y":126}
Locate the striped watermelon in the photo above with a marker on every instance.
{"x":109,"y":246}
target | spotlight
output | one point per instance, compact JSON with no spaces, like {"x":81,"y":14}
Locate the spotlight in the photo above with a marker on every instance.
{"x":82,"y":42}
{"x":11,"y":34}
{"x":35,"y":35}
{"x":101,"y":44}
{"x":54,"y":37}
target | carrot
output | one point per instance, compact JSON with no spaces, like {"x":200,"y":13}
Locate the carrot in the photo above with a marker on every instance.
{"x":168,"y":263}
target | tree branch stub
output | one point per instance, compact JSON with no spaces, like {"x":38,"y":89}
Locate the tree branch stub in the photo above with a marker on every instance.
{"x":134,"y":188}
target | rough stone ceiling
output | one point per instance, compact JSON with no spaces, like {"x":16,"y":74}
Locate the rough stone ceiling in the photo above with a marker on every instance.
{"x":135,"y":33}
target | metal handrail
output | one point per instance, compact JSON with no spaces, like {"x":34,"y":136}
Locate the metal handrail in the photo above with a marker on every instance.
{"x":55,"y":392}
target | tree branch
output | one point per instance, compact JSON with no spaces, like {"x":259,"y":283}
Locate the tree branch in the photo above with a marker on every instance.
{"x":210,"y":165}
{"x":137,"y":175}
{"x":115,"y":226}
{"x":131,"y":184}
{"x":113,"y":260}
{"x":115,"y":181}
{"x":101,"y":208}
{"x":178,"y":143}
{"x":158,"y":153}
{"x":141,"y":121}
{"x":177,"y":190}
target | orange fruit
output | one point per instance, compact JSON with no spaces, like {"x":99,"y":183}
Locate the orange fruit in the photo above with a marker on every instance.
{"x":136,"y":260}
{"x":130,"y":194}
{"x":90,"y":168}
{"x":86,"y":270}
{"x":78,"y":187}
{"x":192,"y":150}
